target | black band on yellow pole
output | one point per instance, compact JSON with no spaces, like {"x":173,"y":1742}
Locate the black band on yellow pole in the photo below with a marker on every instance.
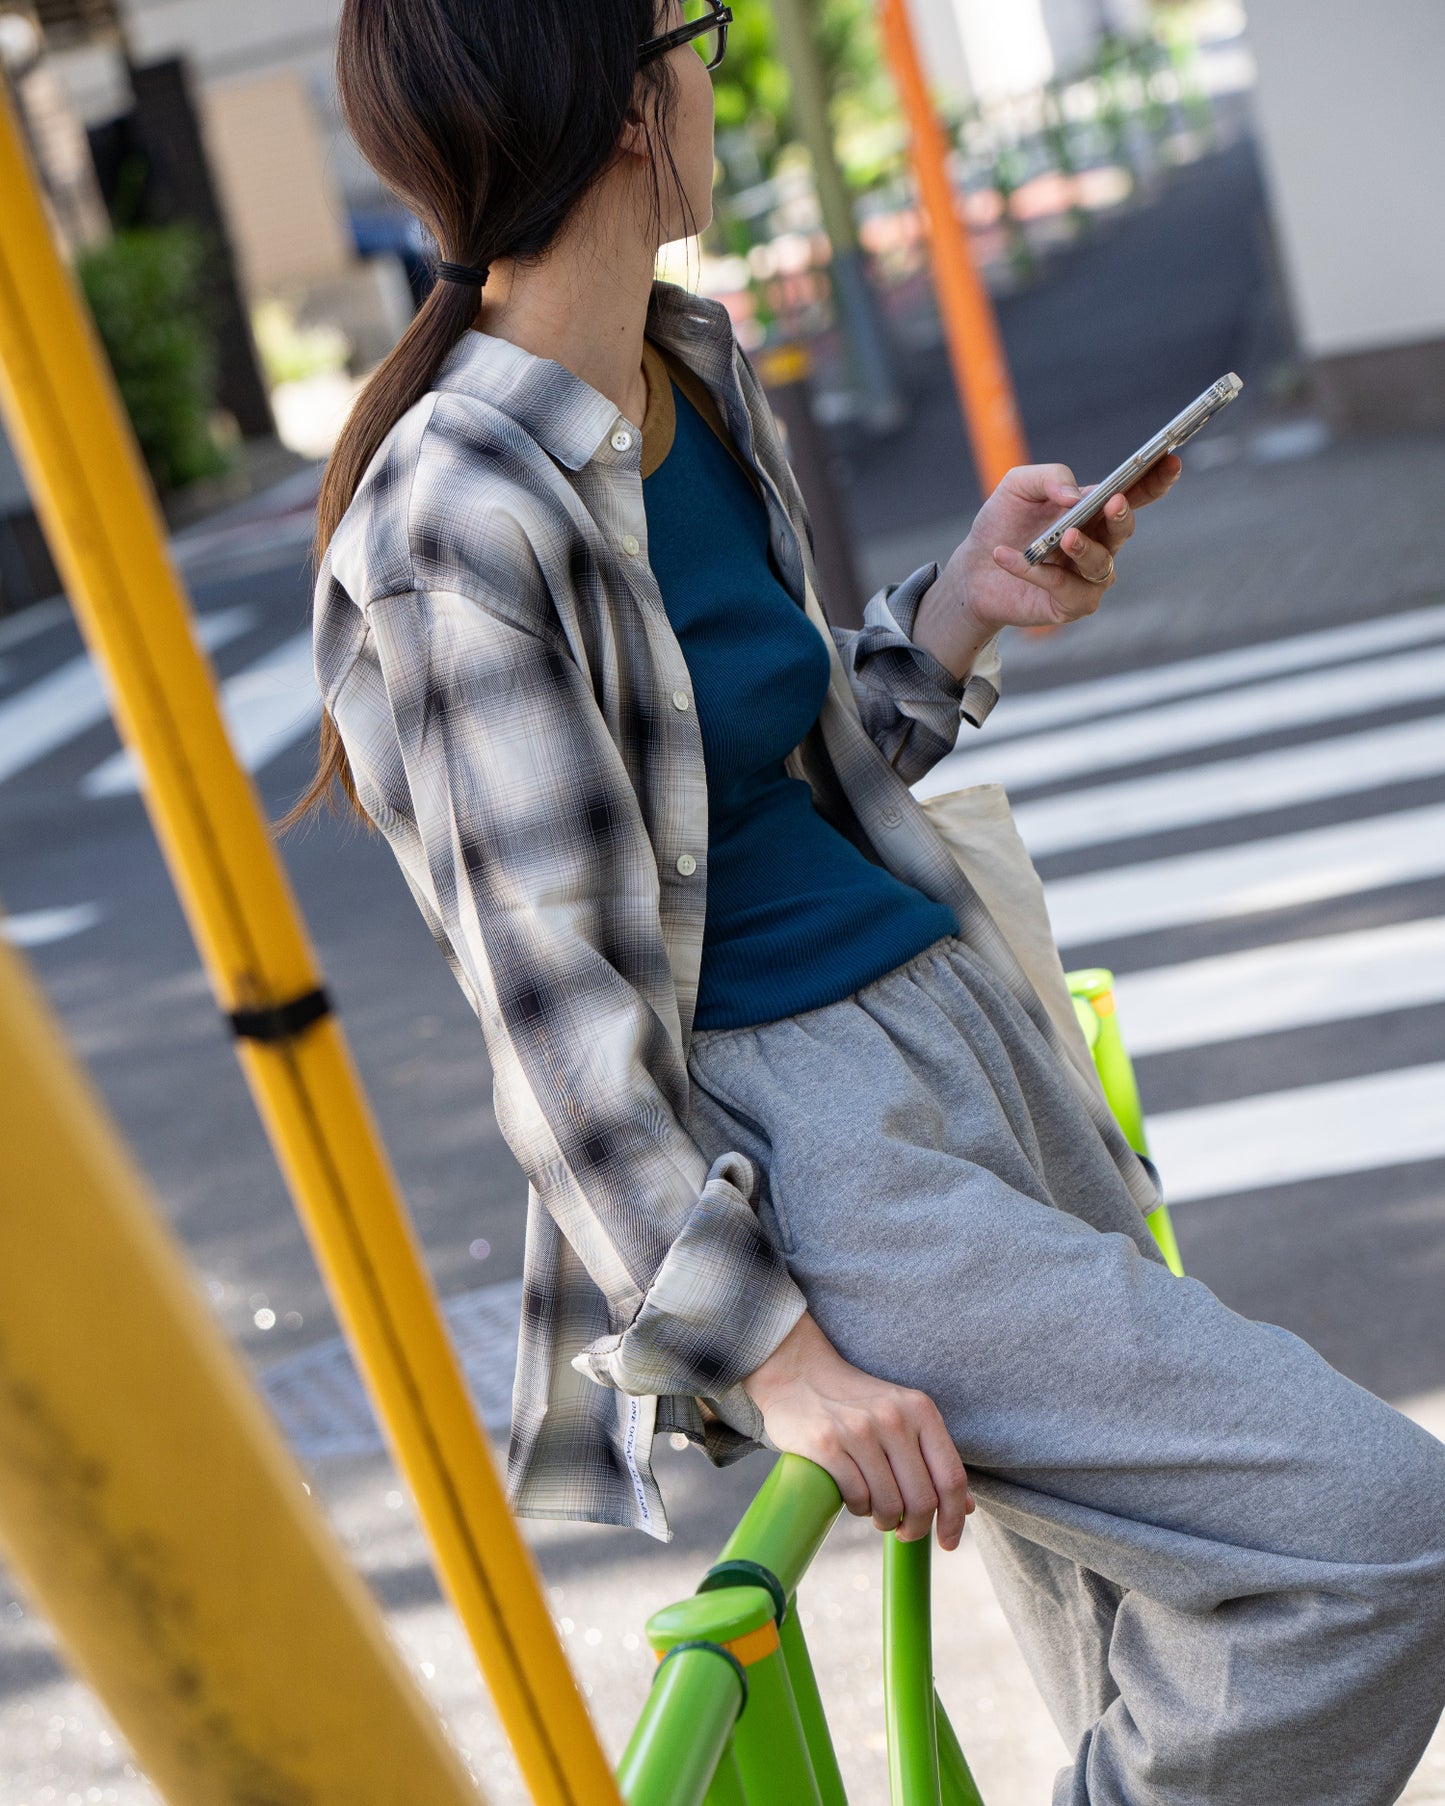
{"x":280,"y":1021}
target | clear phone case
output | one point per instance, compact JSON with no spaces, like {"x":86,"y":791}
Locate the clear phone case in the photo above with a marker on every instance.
{"x":1180,"y":429}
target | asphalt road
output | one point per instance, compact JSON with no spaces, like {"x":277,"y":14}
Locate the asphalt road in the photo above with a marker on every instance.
{"x":1256,"y":846}
{"x":1127,"y":326}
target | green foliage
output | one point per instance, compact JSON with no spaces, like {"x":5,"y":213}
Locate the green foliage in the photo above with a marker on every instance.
{"x":752,"y":88}
{"x":144,"y":290}
{"x":290,"y":352}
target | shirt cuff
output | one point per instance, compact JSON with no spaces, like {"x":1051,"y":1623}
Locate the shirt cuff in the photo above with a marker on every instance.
{"x":981,"y":686}
{"x":888,"y":628}
{"x":721,"y":1302}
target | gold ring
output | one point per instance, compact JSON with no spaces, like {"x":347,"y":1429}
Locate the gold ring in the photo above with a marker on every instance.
{"x":1106,"y":576}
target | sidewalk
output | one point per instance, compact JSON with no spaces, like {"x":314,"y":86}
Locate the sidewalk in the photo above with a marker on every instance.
{"x":1274,"y":529}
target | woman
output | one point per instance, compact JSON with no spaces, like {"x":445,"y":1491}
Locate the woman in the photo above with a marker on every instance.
{"x":807,"y":1162}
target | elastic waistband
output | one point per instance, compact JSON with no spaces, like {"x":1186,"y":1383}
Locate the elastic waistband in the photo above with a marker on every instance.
{"x":949,"y":944}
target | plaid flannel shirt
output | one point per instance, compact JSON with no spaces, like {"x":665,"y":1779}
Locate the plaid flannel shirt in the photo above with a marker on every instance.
{"x":494,"y":650}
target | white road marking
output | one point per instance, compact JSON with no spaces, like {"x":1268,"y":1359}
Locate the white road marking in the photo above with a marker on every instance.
{"x":268,"y":707}
{"x":1090,"y":700}
{"x":39,"y":927}
{"x":1316,"y":1132}
{"x":1230,"y":788}
{"x":1107,"y":744}
{"x":1278,"y":873}
{"x":71,"y":699}
{"x":1290,"y":984}
{"x":40,"y":617}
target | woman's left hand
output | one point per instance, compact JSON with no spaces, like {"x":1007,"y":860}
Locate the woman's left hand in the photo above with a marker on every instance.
{"x":989,"y":584}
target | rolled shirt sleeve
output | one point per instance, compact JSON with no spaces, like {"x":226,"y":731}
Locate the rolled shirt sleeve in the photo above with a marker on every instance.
{"x":720,"y":1270}
{"x":910,"y":703}
{"x":511,"y":811}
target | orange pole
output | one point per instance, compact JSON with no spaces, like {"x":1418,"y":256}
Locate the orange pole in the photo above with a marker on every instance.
{"x":980,"y":368}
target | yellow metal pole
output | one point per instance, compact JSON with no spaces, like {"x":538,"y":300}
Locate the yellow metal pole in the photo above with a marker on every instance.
{"x":146,"y":1501}
{"x":975,"y":349}
{"x":105,"y":532}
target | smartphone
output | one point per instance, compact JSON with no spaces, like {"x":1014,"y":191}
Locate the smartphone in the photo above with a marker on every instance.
{"x":1181,"y":428}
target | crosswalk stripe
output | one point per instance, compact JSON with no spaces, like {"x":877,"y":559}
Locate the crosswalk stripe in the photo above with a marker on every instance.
{"x":1278,"y":873}
{"x":268,"y":707}
{"x":39,"y":618}
{"x":1230,"y":788}
{"x":1289,"y":984}
{"x":40,"y":927}
{"x":71,"y":699}
{"x":1316,"y":1132}
{"x":1087,"y":701}
{"x":1105,"y":745}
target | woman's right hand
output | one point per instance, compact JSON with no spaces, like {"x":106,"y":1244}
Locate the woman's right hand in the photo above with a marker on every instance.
{"x":886,"y":1446}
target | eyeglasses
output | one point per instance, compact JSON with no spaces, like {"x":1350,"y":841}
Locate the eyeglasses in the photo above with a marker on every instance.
{"x":707,"y":27}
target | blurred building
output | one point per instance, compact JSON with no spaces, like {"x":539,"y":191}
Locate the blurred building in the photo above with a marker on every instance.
{"x":1352,"y":126}
{"x":981,"y":50}
{"x":223,"y":115}
{"x":292,"y":192}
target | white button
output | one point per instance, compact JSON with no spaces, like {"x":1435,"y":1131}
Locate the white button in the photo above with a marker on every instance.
{"x":679,"y":701}
{"x":631,"y":544}
{"x":622,"y":440}
{"x":687,"y":865}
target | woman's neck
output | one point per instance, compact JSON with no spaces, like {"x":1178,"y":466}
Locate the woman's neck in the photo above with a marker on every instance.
{"x":584,"y":305}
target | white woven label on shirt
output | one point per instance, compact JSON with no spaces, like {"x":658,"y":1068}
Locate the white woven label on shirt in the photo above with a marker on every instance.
{"x":629,"y":1455}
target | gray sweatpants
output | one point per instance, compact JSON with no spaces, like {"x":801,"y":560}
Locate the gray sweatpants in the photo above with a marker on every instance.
{"x":1224,"y":1562}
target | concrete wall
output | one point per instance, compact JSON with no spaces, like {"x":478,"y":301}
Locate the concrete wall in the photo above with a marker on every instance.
{"x":935,"y":25}
{"x":1074,"y":27}
{"x":237,"y":41}
{"x":1351,"y":112}
{"x":1006,"y":48}
{"x":269,"y":158}
{"x":997,"y":48}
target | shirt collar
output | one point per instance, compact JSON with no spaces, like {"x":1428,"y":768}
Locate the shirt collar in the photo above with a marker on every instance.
{"x":566,"y":416}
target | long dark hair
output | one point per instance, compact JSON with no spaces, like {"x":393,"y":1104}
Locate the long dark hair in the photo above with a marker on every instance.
{"x":491,"y":119}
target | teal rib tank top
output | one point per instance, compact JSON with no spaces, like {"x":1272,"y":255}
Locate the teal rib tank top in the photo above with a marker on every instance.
{"x":797,"y":916}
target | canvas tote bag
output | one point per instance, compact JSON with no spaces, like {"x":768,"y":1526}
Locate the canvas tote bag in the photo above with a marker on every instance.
{"x":977,"y":827}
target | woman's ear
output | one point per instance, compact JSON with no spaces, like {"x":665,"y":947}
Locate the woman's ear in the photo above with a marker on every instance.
{"x":633,"y":140}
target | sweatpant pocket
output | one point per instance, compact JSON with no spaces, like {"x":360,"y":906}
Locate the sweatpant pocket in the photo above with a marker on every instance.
{"x":719,"y":1124}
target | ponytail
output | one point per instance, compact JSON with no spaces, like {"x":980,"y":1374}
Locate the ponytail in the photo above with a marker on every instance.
{"x":491,"y":119}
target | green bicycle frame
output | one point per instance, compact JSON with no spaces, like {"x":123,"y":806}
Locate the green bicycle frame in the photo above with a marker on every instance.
{"x":1093,"y":994}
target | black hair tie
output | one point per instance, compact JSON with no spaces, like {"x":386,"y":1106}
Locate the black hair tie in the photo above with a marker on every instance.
{"x":473,"y":275}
